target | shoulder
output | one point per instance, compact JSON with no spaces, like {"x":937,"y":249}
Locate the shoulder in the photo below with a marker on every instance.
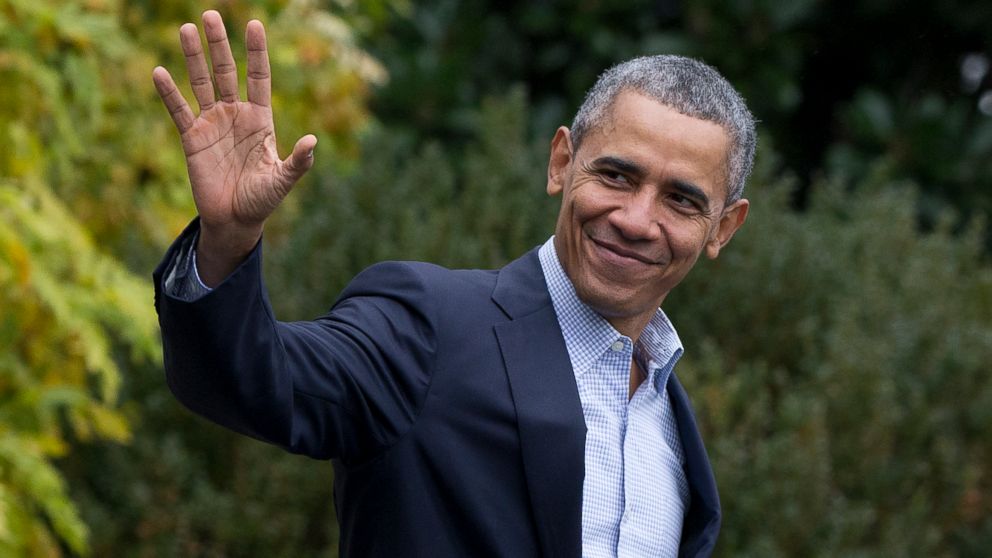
{"x":515,"y":289}
{"x":413,"y":308}
{"x":405,"y":278}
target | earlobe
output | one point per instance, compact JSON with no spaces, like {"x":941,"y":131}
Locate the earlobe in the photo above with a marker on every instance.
{"x":731,"y":220}
{"x":561,"y":156}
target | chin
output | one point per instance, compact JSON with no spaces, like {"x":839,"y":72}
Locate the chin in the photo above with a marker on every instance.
{"x":612,"y":302}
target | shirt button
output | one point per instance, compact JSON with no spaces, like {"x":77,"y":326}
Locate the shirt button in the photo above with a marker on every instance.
{"x":617,"y":346}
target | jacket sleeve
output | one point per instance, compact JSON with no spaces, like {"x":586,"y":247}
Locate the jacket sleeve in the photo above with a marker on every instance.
{"x":346,"y":385}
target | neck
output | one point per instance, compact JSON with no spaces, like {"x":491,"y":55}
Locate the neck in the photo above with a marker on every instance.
{"x":631,"y":326}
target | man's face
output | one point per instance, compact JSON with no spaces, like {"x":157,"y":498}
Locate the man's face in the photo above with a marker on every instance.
{"x":641,"y":199}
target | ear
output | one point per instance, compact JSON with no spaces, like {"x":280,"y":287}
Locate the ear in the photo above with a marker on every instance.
{"x":732,"y":218}
{"x":561,"y":157}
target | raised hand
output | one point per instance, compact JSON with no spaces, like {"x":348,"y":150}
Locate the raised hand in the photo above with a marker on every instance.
{"x":234,"y":169}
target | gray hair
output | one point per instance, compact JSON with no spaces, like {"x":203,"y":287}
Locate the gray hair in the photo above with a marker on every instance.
{"x":688,"y":86}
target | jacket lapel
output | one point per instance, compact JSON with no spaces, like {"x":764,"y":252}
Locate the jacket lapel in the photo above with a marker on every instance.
{"x":702,"y":521}
{"x":549,"y":413}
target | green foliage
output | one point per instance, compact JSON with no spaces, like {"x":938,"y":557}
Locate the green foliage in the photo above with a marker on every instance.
{"x":66,"y":308}
{"x":825,"y":99}
{"x":929,"y":138}
{"x":189,"y":488}
{"x":88,"y":194}
{"x":477,"y":209}
{"x":838,"y":360}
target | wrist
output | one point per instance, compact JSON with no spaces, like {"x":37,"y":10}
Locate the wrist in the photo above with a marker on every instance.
{"x":220,"y":250}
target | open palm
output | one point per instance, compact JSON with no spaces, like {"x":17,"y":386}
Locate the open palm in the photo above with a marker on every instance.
{"x":234,"y":168}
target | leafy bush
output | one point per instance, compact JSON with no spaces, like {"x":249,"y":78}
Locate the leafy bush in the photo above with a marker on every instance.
{"x":67,"y":310}
{"x":89,"y":198}
{"x":479,"y":206}
{"x":838,"y":359}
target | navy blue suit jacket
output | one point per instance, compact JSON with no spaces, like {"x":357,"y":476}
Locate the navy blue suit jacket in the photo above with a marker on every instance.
{"x":445,"y":398}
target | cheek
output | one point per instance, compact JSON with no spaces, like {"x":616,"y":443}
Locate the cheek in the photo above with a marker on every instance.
{"x":589,"y":204}
{"x":687,"y":241}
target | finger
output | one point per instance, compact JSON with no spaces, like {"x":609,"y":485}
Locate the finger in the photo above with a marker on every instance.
{"x":259,"y":77}
{"x":178,"y":108}
{"x":196,"y":66}
{"x":300,"y":160}
{"x":225,"y":71}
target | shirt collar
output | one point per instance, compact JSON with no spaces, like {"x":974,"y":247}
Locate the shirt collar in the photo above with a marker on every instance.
{"x":587,"y":334}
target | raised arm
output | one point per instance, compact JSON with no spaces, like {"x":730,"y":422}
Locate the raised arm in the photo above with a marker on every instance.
{"x":235,"y":171}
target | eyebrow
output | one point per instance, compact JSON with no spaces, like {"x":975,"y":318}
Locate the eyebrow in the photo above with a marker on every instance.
{"x":687,"y":189}
{"x":623,"y":165}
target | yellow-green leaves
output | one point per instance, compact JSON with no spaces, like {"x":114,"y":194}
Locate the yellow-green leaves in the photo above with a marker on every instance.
{"x":67,"y":309}
{"x":92,"y":188}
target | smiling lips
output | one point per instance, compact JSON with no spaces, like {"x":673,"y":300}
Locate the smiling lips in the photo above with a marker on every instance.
{"x":622,"y":256}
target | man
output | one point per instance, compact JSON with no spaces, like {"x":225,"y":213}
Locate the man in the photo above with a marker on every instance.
{"x":520,"y":412}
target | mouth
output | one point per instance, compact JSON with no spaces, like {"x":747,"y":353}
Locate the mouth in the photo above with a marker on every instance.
{"x":622,"y":256}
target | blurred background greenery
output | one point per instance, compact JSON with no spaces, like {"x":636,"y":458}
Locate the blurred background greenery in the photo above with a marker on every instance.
{"x":838,"y":353}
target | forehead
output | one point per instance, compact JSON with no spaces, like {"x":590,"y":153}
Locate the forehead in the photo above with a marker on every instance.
{"x":660,"y":139}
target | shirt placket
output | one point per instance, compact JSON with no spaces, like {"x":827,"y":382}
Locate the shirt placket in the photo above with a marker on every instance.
{"x":620,"y":359}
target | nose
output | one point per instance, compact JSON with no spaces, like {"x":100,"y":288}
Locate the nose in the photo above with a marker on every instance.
{"x":637,"y":218}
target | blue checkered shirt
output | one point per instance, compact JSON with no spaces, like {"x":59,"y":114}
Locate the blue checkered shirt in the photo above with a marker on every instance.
{"x":635,"y":492}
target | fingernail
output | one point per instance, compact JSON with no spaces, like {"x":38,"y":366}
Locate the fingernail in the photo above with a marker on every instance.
{"x":310,"y":154}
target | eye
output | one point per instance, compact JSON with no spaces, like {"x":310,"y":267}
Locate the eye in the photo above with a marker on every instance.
{"x":615,"y":177}
{"x":683,"y":202}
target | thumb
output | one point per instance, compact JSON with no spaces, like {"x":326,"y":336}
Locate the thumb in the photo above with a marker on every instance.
{"x":300,"y":160}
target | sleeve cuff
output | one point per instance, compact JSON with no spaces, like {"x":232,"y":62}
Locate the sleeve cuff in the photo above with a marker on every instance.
{"x":182,"y":280}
